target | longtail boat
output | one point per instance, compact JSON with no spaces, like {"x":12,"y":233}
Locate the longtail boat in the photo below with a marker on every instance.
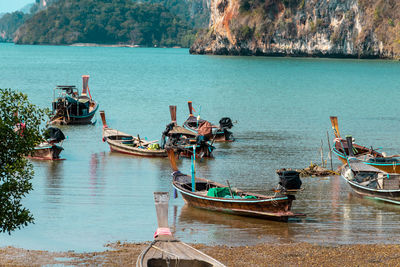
{"x":166,"y":250}
{"x":210,"y":195}
{"x":184,"y":141}
{"x":50,"y":148}
{"x":47,"y":151}
{"x":71,"y":108}
{"x":213,"y":132}
{"x":370,"y":182}
{"x":366,"y":155}
{"x":129,"y":144}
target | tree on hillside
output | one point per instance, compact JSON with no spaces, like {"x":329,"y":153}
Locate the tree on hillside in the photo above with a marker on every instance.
{"x":105,"y":22}
{"x":19,"y":133}
{"x":9,"y":23}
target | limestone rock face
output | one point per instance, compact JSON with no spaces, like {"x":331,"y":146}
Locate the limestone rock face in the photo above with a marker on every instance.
{"x":325,"y":28}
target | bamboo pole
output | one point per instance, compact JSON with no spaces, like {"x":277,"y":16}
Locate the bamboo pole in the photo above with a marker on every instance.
{"x":230,"y":190}
{"x":330,"y":150}
{"x":322,"y":154}
{"x":194,"y":169}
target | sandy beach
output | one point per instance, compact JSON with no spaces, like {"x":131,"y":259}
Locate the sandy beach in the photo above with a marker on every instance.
{"x":295,"y":254}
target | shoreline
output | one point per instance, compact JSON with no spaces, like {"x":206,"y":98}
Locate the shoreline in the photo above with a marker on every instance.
{"x":231,"y":53}
{"x":102,"y":45}
{"x":118,"y":45}
{"x":293,"y":254}
{"x":96,"y":45}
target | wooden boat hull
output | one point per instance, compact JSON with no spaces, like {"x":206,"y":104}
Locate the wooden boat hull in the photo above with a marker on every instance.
{"x":219,"y":136}
{"x":50,"y":152}
{"x":202,"y":151}
{"x":386,"y":195}
{"x":174,"y":253}
{"x":127,"y":144}
{"x":222,"y":138}
{"x":75,"y":120}
{"x":82,"y":119}
{"x":393,"y":167}
{"x":390,"y":168}
{"x":278,"y":209}
{"x":390,"y":197}
{"x":125,"y":149}
{"x":166,"y":250}
{"x":272,"y":208}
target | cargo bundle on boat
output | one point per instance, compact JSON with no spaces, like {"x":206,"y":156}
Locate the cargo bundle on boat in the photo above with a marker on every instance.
{"x":166,"y":250}
{"x":71,"y":108}
{"x":210,"y":195}
{"x":183,"y":141}
{"x":366,"y":155}
{"x":129,"y":144}
{"x":212,"y":132}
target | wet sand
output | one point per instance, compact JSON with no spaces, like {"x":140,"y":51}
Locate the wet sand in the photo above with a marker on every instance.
{"x":295,"y":254}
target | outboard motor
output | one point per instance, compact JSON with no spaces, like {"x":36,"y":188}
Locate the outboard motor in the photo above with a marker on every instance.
{"x":289,"y":179}
{"x":225,"y":123}
{"x":54,"y":135}
{"x":168,"y":128}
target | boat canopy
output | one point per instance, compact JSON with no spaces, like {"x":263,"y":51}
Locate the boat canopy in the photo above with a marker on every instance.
{"x":69,"y":89}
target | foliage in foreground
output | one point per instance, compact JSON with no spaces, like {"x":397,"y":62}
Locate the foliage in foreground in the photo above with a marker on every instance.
{"x":16,"y":142}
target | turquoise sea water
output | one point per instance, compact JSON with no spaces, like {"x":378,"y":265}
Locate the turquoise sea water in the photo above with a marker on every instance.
{"x":282,"y":108}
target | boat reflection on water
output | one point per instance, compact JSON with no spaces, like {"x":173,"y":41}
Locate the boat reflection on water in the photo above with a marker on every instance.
{"x":54,"y":175}
{"x":139,"y":160}
{"x":96,"y":169}
{"x":335,"y":196}
{"x":378,"y":206}
{"x":221,"y":228}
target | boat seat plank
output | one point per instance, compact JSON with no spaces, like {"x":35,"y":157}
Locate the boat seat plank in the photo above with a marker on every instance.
{"x":181,"y":130}
{"x":361,"y":167}
{"x":111,"y":132}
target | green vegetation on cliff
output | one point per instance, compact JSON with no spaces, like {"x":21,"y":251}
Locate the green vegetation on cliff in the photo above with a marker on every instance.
{"x":105,"y":22}
{"x":194,"y":12}
{"x":9,"y":23}
{"x":326,"y":28}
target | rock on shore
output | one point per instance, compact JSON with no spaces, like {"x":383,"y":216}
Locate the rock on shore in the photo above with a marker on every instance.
{"x":324,"y":28}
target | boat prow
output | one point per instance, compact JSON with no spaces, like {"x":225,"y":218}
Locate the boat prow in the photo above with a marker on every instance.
{"x":166,"y":250}
{"x":367,"y":155}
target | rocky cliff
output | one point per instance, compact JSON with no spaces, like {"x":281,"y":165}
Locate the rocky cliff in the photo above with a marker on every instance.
{"x":325,"y":28}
